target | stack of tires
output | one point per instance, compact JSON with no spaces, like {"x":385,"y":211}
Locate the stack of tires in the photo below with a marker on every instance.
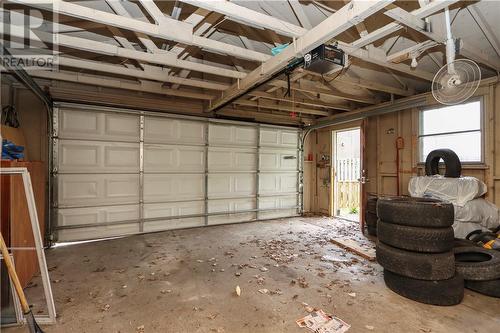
{"x":480,"y":268}
{"x":415,"y":247}
{"x":371,"y":216}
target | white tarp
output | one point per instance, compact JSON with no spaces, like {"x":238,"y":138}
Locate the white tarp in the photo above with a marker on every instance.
{"x":475,"y":214}
{"x":458,"y":191}
{"x":462,"y":229}
{"x":471,"y":211}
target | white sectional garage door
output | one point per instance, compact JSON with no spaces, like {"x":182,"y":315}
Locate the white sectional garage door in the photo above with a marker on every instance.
{"x":119,"y":173}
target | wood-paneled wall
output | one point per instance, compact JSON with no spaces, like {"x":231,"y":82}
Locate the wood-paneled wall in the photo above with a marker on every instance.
{"x":381,"y":167}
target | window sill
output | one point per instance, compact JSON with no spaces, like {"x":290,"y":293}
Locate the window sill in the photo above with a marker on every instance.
{"x":465,"y":166}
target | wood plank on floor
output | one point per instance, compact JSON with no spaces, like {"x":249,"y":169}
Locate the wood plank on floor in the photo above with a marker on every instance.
{"x":353,"y":246}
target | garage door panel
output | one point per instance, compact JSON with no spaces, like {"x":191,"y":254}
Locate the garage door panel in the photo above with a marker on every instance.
{"x":121,"y":126}
{"x":232,"y":159}
{"x":231,"y":205}
{"x":171,"y":158}
{"x":224,"y":135}
{"x":97,"y":157}
{"x":76,"y":156}
{"x":173,"y":187}
{"x":285,"y":204}
{"x":272,"y":137}
{"x":278,"y":160}
{"x":89,"y":189}
{"x":276,"y":184}
{"x":166,"y":130}
{"x":80,"y":124}
{"x":95,"y":216}
{"x":232,"y":218}
{"x":231,"y":185}
{"x":100,"y":172}
{"x":71,"y":235}
{"x":172,"y":210}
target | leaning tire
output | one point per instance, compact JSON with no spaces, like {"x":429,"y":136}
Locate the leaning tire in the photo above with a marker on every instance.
{"x":477,"y":264}
{"x":427,"y":240}
{"x":416,"y":212}
{"x":371,"y":223}
{"x":453,"y":167}
{"x":444,"y":292}
{"x":422,"y":266}
{"x":488,"y":288}
{"x":372,"y":231}
{"x":458,"y":242}
{"x":371,"y":205}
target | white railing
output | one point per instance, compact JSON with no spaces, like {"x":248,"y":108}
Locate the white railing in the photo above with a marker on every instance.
{"x":348,"y":172}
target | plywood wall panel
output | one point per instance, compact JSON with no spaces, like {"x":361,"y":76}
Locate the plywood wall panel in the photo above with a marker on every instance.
{"x":381,"y":166}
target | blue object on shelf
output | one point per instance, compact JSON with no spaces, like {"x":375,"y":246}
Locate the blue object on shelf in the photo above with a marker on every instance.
{"x":278,"y":49}
{"x":11,"y":151}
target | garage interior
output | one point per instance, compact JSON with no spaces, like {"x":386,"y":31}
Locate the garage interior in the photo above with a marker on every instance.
{"x":208,"y":165}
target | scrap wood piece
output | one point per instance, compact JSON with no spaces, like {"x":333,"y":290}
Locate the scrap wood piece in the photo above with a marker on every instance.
{"x":353,"y":246}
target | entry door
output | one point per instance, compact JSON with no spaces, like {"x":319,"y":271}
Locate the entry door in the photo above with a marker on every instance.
{"x":347,"y":173}
{"x":119,"y":173}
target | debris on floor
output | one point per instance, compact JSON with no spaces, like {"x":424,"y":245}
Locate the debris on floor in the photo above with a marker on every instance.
{"x":320,"y":322}
{"x":238,"y":291}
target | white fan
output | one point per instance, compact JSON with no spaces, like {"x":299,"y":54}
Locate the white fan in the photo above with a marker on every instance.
{"x":459,"y":79}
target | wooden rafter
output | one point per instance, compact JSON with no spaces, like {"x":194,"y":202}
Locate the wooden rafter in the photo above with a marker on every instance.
{"x":100,"y":81}
{"x":337,"y":23}
{"x":274,"y":106}
{"x":314,"y":103}
{"x":162,"y":58}
{"x":170,"y":29}
{"x":414,"y":22}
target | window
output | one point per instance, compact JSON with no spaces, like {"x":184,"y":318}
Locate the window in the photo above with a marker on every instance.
{"x":457,"y":127}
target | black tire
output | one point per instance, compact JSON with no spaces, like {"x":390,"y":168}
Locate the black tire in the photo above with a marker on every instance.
{"x":444,"y":292}
{"x":458,"y":242}
{"x":477,"y":264}
{"x":371,"y":219}
{"x":426,"y":240}
{"x":453,"y":167}
{"x":422,"y":266}
{"x":371,"y":223}
{"x":372,"y":231}
{"x":416,"y":212}
{"x":371,"y":205}
{"x":488,"y":288}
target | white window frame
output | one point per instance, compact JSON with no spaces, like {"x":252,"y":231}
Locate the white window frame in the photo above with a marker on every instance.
{"x":436,"y":107}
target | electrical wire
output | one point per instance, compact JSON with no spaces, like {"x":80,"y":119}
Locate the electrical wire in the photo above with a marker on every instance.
{"x":340,"y":73}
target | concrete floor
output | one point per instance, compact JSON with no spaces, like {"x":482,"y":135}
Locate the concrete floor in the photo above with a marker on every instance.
{"x":185,"y":280}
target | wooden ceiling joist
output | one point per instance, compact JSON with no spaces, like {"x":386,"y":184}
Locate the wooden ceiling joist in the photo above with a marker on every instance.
{"x":150,"y":74}
{"x":251,"y":17}
{"x":414,"y":22}
{"x":94,"y":80}
{"x":83,"y":44}
{"x":317,"y":103}
{"x":370,"y":57}
{"x":318,"y":88}
{"x":170,"y":29}
{"x":340,"y":21}
{"x":423,"y":12}
{"x":119,"y":9}
{"x":273,"y":106}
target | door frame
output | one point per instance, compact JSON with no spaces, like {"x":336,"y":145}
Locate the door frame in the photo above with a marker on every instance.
{"x":333,"y":171}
